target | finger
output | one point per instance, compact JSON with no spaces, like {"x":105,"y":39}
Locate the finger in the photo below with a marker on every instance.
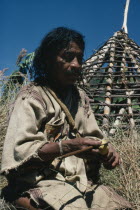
{"x":92,"y":142}
{"x":116,"y":161}
{"x":109,"y":155}
{"x":111,"y":160}
{"x":120,"y":161}
{"x":95,"y":151}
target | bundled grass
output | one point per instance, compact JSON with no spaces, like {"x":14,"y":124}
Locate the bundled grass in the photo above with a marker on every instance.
{"x":9,"y":87}
{"x":6,"y":206}
{"x":124,"y":179}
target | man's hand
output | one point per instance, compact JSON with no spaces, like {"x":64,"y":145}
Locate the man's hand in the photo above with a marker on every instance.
{"x":79,"y":144}
{"x":112,"y":159}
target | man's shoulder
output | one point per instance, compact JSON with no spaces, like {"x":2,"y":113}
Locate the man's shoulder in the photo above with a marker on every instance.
{"x":84,"y":99}
{"x":30,"y":90}
{"x":82,"y":92}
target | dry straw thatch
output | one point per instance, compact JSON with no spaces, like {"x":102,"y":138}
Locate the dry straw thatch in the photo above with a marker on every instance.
{"x":126,"y":178}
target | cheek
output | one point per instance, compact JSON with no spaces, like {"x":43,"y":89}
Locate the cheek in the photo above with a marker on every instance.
{"x":62,"y":68}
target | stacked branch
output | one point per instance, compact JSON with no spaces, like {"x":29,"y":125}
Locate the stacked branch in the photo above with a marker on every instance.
{"x":112,"y":76}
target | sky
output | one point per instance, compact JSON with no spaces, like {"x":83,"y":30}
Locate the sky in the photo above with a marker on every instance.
{"x":24,"y":23}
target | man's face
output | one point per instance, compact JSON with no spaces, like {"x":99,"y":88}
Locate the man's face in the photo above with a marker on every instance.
{"x":67,"y":66}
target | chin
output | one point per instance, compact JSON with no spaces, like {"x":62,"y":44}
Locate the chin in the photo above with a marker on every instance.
{"x":70,"y":81}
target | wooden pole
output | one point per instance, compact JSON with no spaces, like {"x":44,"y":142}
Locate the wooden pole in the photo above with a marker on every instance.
{"x":109,"y":85}
{"x":124,"y":26}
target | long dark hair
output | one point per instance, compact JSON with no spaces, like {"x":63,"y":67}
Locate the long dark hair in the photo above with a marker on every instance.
{"x":56,"y":40}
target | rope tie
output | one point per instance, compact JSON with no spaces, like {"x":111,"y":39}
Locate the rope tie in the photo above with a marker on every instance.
{"x":66,"y":111}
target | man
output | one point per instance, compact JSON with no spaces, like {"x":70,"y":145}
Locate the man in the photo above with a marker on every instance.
{"x":52,"y":118}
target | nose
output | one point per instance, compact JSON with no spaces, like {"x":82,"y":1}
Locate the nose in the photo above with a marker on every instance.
{"x":75,"y":64}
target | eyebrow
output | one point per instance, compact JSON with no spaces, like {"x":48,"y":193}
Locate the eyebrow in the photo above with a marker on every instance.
{"x":70,"y":51}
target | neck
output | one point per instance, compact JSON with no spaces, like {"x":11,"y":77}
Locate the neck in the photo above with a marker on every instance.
{"x":59,"y":89}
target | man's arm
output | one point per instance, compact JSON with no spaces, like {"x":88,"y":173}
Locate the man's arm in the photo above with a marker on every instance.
{"x":52,"y":150}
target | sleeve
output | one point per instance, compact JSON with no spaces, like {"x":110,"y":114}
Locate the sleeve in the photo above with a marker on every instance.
{"x":25,"y":133}
{"x":88,"y":127}
{"x":92,"y":165}
{"x":85,"y":119}
{"x":91,"y":127}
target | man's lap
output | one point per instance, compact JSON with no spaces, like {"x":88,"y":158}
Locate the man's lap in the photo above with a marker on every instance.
{"x":62,"y":195}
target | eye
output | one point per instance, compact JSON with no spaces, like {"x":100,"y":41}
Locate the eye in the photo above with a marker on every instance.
{"x":69,"y":56}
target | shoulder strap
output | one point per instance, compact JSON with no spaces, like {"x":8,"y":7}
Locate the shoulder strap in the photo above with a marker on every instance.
{"x":65,"y":109}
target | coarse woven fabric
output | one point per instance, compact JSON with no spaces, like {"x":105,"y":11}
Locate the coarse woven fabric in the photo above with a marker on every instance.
{"x":61,"y":195}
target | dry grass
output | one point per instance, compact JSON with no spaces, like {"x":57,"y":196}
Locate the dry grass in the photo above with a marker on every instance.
{"x":125,"y":179}
{"x":8,"y":92}
{"x":3,"y":126}
{"x":6,"y":206}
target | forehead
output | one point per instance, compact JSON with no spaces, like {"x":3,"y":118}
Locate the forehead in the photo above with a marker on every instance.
{"x":72,"y":47}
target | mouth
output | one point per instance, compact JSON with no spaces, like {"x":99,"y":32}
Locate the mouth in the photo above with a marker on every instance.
{"x":73,"y":73}
{"x":74,"y":76}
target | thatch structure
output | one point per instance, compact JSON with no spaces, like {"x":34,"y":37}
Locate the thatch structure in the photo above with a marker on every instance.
{"x":112,"y":76}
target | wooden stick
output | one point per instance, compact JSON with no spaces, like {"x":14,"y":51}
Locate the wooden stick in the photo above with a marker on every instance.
{"x":101,"y":51}
{"x":123,"y":105}
{"x":116,"y":96}
{"x":114,"y":115}
{"x":81,"y":150}
{"x":76,"y":152}
{"x":130,"y":111}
